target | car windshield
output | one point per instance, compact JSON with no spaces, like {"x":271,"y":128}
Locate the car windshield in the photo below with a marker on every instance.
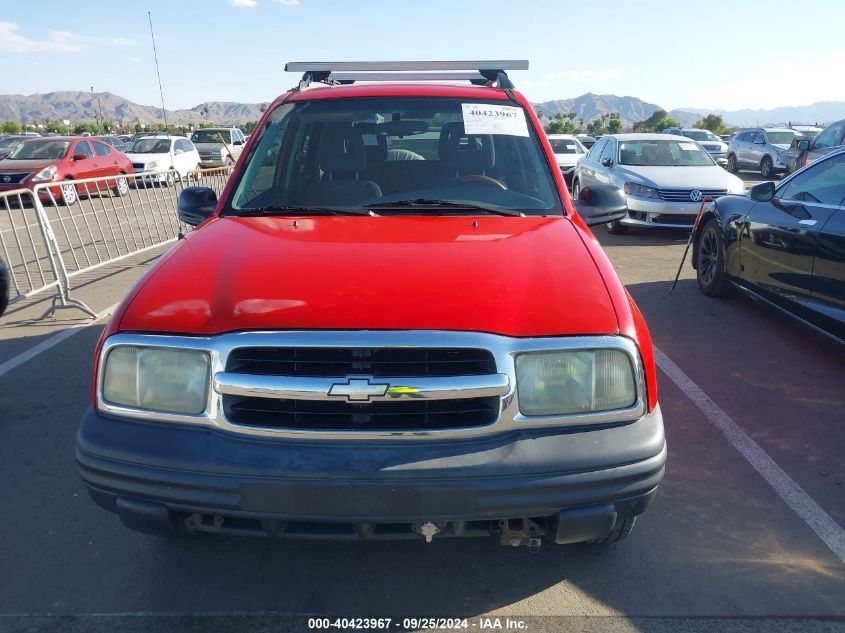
{"x":564,"y":146}
{"x":701,"y":135}
{"x":210,"y":136}
{"x":149,"y":146}
{"x":10,"y":142}
{"x":660,"y":153}
{"x":421,"y":155}
{"x":782,"y":138}
{"x":49,"y":150}
{"x":809,"y":134}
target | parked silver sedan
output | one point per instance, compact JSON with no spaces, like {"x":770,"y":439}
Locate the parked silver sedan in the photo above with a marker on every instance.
{"x":664,"y":178}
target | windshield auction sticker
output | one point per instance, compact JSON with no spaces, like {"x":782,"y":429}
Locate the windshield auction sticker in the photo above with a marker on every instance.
{"x":483,"y":118}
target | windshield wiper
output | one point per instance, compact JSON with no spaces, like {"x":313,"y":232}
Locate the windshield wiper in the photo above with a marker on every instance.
{"x":298,"y":210}
{"x":442,"y":204}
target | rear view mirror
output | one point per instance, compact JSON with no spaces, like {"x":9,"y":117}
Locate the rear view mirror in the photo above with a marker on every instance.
{"x":764,"y":192}
{"x":196,"y":204}
{"x":599,"y":204}
{"x":804,"y":144}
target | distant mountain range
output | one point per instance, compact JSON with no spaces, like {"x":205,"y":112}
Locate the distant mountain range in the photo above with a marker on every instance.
{"x":80,"y":107}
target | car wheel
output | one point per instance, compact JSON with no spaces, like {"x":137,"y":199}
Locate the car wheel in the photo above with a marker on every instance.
{"x":732,"y":166}
{"x":121,"y":187}
{"x":170,"y":180}
{"x":616,"y":228}
{"x":623,"y":527}
{"x":69,"y":195}
{"x":710,"y":259}
{"x":767,"y":168}
{"x":230,"y":165}
{"x":198,"y":172}
{"x":576,"y":189}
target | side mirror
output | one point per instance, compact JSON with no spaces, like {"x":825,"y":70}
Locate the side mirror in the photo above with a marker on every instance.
{"x":238,"y":142}
{"x":178,"y":151}
{"x":804,"y":144}
{"x":607,"y":162}
{"x":196,"y":204}
{"x":5,"y":286}
{"x":599,"y":204}
{"x":79,"y":156}
{"x":764,"y":192}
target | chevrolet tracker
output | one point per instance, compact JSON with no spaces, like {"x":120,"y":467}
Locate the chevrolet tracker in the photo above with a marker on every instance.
{"x":393,"y":323}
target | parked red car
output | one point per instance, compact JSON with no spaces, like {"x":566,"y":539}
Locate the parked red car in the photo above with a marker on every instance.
{"x":393,"y":323}
{"x":65,"y":158}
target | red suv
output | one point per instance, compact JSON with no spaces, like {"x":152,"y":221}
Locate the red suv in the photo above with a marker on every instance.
{"x":396,"y":324}
{"x":63,"y":159}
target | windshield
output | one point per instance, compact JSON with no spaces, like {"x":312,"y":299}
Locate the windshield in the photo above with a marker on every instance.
{"x":362,"y":153}
{"x":210,"y":136}
{"x":564,"y":146}
{"x":10,"y":142}
{"x":659,"y":153}
{"x":781,"y":138}
{"x":49,"y":150}
{"x":701,"y":135}
{"x":149,"y":146}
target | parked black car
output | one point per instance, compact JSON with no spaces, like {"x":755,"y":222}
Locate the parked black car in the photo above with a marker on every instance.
{"x":805,"y":151}
{"x":5,"y":286}
{"x":783,"y":244}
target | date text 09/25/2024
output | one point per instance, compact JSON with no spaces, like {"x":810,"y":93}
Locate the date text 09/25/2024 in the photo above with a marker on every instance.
{"x":415,"y":624}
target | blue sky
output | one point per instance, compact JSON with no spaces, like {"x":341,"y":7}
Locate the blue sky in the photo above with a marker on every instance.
{"x":714,"y":54}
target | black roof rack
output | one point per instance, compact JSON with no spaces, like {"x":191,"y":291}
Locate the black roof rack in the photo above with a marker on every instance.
{"x":486,"y":72}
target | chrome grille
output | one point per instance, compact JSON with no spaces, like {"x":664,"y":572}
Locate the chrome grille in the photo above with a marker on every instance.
{"x":307,"y":375}
{"x":683,"y":195}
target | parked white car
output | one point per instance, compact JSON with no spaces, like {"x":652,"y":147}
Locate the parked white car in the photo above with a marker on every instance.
{"x":568,"y":151}
{"x":664,"y":178}
{"x":170,"y":157}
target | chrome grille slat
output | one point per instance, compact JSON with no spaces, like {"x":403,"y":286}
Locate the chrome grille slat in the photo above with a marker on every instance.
{"x":683,"y":195}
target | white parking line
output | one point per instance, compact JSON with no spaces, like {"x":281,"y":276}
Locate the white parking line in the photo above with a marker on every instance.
{"x":43,"y":346}
{"x":795,"y":497}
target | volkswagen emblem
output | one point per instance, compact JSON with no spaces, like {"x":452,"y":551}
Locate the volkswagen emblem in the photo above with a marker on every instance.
{"x":695,"y":195}
{"x":7,"y":179}
{"x":358,"y":389}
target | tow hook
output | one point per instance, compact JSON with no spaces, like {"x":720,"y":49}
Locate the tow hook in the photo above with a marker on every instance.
{"x":203,"y":523}
{"x":428,"y":530}
{"x":516,"y":532}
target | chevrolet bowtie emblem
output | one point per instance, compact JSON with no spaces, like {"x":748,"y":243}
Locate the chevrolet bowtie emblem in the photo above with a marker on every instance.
{"x":358,"y":389}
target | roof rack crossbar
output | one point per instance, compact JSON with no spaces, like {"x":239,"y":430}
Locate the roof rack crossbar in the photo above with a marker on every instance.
{"x":486,"y":72}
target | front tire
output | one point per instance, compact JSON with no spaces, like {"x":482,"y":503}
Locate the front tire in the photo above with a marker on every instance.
{"x":121,"y":187}
{"x":616,"y":228}
{"x":623,"y":527}
{"x":732,"y":166}
{"x":69,"y":195}
{"x":767,"y":168}
{"x":710,"y":258}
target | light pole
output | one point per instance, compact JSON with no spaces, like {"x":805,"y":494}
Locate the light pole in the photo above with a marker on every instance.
{"x":96,"y":114}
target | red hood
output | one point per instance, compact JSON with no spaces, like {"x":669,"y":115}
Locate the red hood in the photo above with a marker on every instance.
{"x":14,"y":166}
{"x":513,"y":276}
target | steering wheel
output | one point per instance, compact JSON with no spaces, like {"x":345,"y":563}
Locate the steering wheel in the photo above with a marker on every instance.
{"x":482,"y":180}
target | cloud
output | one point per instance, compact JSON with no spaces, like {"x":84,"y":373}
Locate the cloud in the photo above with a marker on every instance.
{"x":243,"y":3}
{"x":11,"y":41}
{"x":289,"y":3}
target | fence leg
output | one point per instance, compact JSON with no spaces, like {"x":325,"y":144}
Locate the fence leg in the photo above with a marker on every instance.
{"x":63,"y":299}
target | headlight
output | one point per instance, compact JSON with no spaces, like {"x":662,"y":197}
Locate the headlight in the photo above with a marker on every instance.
{"x":157,"y":379}
{"x":151,"y":165}
{"x":45,"y":175}
{"x":568,"y":382}
{"x":736,"y":186}
{"x":636,"y":189}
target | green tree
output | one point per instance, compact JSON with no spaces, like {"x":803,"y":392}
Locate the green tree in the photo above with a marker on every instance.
{"x":668,"y":123}
{"x":10,"y":127}
{"x":109,"y":126}
{"x":85,"y":127}
{"x":614,"y":123}
{"x":658,"y":121}
{"x":712,"y":122}
{"x":248,"y":127}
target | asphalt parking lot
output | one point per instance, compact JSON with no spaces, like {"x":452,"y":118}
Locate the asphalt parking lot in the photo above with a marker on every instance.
{"x":721,"y":540}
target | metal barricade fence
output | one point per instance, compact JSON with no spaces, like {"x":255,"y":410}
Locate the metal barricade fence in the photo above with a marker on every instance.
{"x":98,"y":221}
{"x":26,"y":245}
